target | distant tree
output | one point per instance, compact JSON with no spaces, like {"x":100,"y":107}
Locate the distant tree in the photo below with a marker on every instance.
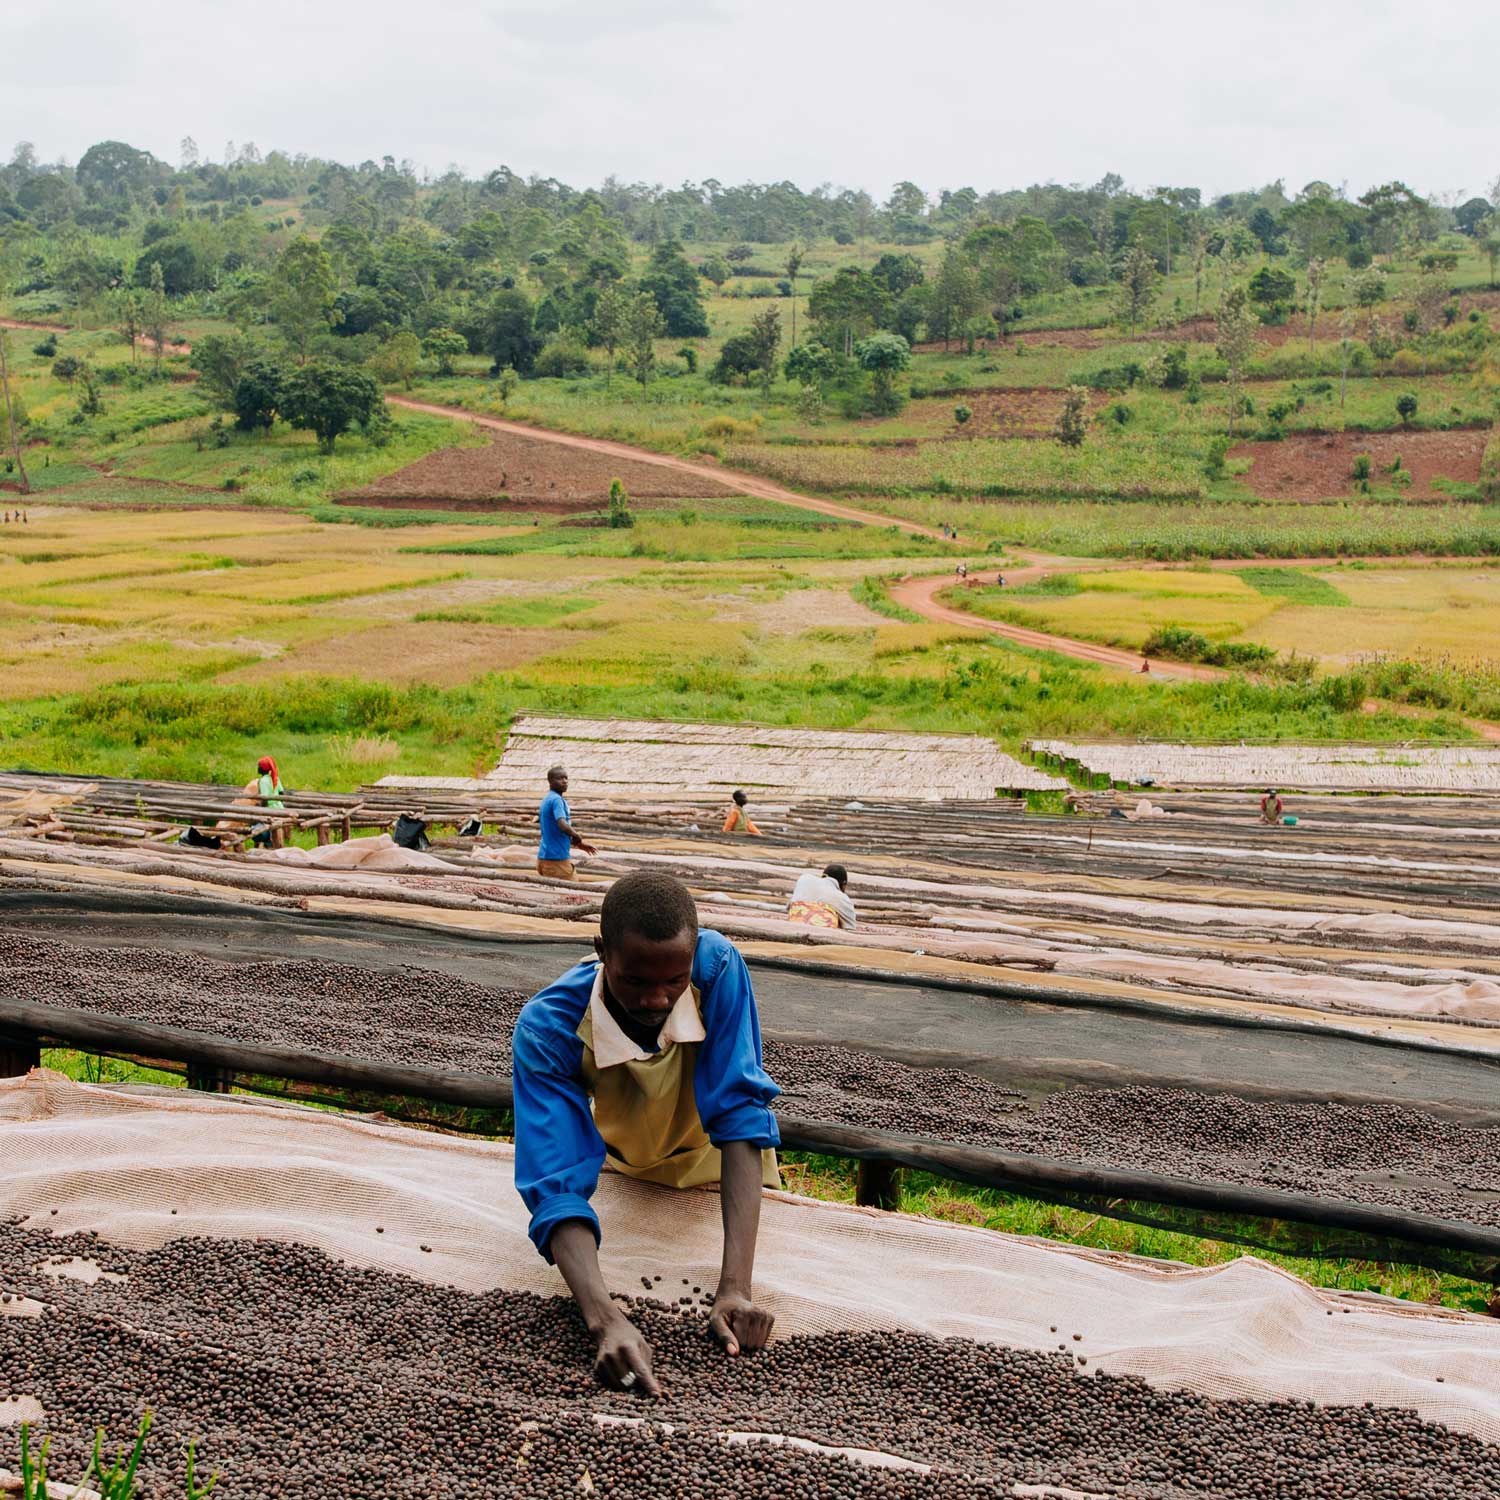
{"x":510,"y":336}
{"x":258,"y":391}
{"x":444,"y":345}
{"x":1369,"y":292}
{"x":505,"y":385}
{"x":301,"y":292}
{"x":1200,"y":261}
{"x":220,"y":360}
{"x":716,"y":269}
{"x":1406,"y":407}
{"x":953,"y":295}
{"x":327,"y":398}
{"x":737,"y":360}
{"x":898,"y":273}
{"x":846,"y":306}
{"x":125,"y":305}
{"x":607,"y":326}
{"x":1431,"y":293}
{"x":884,"y":356}
{"x":673,"y":283}
{"x":66,"y":368}
{"x":1236,"y":335}
{"x":620,"y":514}
{"x":1271,"y":289}
{"x":1138,"y":280}
{"x":1469,"y":216}
{"x":643,"y":325}
{"x":810,"y":364}
{"x":962,"y":415}
{"x":1316,"y":271}
{"x":90,"y":390}
{"x":793,"y":265}
{"x":1489,"y":242}
{"x":396,"y":360}
{"x":740,"y":253}
{"x":1073,"y":420}
{"x":156,"y":314}
{"x":765,"y":343}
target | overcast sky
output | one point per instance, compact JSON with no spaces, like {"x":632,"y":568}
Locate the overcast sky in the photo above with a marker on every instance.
{"x":987,"y":93}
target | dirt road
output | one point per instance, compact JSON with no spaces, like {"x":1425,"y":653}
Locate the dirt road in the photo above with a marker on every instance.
{"x":745,"y":484}
{"x":919,"y":596}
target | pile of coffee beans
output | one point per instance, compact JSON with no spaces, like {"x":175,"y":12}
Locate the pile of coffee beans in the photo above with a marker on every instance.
{"x":406,"y":1015}
{"x":299,"y":1375}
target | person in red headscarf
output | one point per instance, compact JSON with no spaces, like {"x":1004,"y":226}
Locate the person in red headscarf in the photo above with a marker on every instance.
{"x":267,"y":784}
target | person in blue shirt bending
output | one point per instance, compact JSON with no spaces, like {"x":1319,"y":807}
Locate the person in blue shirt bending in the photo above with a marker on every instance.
{"x":554,"y":855}
{"x":661,"y":1030}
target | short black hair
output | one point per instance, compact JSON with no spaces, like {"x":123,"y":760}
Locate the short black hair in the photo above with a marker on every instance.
{"x":650,"y":904}
{"x":555,"y":771}
{"x":839,"y":873}
{"x":739,"y":799}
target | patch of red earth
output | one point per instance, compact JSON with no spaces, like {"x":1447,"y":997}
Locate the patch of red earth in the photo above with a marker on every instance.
{"x":1319,"y":466}
{"x":1000,"y":412}
{"x":515,"y":473}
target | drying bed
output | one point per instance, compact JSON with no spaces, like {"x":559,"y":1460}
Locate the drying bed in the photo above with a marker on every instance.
{"x":300,"y":1374}
{"x":1367,"y":1153}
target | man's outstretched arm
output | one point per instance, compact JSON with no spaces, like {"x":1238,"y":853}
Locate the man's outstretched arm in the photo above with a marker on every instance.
{"x":736,"y":1322}
{"x":620,"y":1349}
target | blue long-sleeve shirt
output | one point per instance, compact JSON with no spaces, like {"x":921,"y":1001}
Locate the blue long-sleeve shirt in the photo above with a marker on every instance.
{"x":559,"y":1151}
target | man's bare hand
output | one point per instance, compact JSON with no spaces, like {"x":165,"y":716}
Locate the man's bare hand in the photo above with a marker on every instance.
{"x":622,"y":1358}
{"x":587,"y":848}
{"x":737,"y":1324}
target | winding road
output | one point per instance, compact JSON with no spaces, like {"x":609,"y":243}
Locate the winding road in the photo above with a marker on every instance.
{"x":917,"y":593}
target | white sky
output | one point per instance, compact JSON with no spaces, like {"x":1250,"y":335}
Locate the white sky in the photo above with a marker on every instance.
{"x":947,"y":93}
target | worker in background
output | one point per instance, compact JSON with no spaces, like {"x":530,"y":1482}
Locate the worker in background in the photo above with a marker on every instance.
{"x":737,"y":819}
{"x":1272,"y":809}
{"x":554,"y":855}
{"x":822,"y":900}
{"x":266,"y":789}
{"x":660,"y":1031}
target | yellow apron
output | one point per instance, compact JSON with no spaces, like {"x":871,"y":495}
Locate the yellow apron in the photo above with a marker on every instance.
{"x":648,"y":1117}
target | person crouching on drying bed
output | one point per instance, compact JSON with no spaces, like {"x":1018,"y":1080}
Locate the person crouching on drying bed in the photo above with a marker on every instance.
{"x":822,"y":900}
{"x":661,"y":1030}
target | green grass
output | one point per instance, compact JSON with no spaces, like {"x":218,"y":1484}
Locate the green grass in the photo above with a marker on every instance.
{"x":518,"y":612}
{"x":922,"y":1193}
{"x":198,"y":731}
{"x":874,"y":594}
{"x":1294,"y":584}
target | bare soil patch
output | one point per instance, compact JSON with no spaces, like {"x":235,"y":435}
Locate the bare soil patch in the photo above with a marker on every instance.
{"x":1318,"y":466}
{"x":444,"y":652}
{"x":1005,"y":411}
{"x":511,"y":472}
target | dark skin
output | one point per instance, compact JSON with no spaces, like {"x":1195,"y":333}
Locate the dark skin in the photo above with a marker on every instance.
{"x":642,"y":981}
{"x":559,"y":784}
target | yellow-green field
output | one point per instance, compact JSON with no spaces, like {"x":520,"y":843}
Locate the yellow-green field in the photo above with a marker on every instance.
{"x":1337,"y":614}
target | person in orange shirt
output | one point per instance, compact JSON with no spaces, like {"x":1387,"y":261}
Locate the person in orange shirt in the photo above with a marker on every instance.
{"x":737,"y":820}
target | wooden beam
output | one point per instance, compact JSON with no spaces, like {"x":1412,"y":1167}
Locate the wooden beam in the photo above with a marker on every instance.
{"x":20,"y":1052}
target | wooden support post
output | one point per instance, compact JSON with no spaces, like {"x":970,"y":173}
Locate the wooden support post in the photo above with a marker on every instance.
{"x":322,"y":833}
{"x":19,"y":1053}
{"x":878,"y":1185}
{"x":209,"y":1078}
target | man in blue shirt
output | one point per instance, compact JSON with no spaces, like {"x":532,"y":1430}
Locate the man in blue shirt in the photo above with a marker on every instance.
{"x":554,"y":855}
{"x":661,"y":1031}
